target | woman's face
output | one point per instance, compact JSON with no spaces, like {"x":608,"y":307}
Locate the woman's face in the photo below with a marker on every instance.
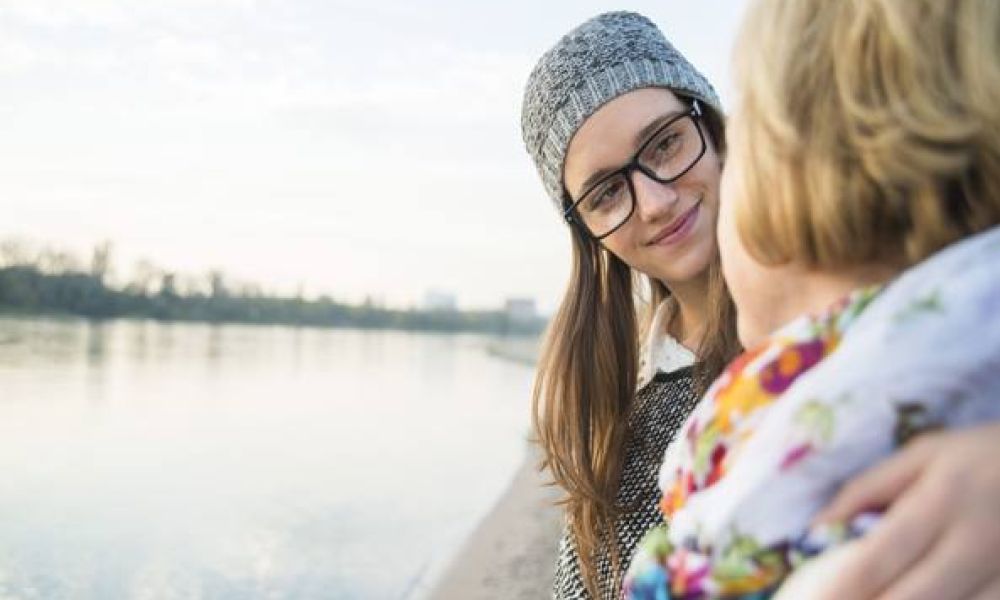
{"x":671,"y":234}
{"x":764,"y":295}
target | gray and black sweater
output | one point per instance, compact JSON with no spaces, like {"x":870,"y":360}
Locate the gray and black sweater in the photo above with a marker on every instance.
{"x":660,"y":408}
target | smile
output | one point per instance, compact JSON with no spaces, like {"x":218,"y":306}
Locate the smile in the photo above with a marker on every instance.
{"x":677,"y":229}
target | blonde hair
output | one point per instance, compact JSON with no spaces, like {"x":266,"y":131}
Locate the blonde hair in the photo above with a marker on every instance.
{"x":869,"y":129}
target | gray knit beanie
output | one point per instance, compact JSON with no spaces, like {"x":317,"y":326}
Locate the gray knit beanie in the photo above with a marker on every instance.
{"x":605,"y":57}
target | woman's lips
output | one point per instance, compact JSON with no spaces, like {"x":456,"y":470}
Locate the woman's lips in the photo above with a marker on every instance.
{"x":679,"y":229}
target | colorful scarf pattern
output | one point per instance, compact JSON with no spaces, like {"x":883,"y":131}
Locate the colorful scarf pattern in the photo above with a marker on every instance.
{"x":822,"y":398}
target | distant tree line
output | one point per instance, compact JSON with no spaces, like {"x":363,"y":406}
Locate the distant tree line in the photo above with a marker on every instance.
{"x":48,"y":281}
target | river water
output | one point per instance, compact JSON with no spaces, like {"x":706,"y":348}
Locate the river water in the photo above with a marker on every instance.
{"x":147,"y":460}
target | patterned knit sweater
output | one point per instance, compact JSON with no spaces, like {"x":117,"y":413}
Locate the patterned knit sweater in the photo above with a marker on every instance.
{"x":660,"y":409}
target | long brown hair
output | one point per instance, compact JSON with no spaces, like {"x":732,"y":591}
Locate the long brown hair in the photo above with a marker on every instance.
{"x":587,"y":376}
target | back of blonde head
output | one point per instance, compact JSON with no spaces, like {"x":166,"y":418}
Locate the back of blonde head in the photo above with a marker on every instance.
{"x":870,"y":129}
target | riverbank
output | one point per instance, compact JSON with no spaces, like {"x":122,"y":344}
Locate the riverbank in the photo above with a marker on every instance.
{"x":31,"y":289}
{"x":511,"y":554}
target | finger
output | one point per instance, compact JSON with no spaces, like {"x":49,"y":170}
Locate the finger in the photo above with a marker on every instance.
{"x":816,"y":574}
{"x":880,"y":485}
{"x":944,"y":573}
{"x":899,"y":541}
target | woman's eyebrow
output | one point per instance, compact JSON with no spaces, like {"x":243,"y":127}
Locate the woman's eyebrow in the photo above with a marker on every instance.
{"x":596,"y":177}
{"x":644,"y":134}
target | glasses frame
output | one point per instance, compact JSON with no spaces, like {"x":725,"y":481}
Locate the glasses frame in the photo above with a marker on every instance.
{"x":572,"y":215}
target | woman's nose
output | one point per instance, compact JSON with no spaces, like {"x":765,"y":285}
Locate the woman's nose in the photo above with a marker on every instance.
{"x":653,"y":199}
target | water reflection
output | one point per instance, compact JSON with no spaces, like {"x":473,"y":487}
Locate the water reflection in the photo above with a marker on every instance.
{"x":148,"y":460}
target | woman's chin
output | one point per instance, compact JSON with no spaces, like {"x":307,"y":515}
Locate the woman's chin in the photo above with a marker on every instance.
{"x":684,"y":268}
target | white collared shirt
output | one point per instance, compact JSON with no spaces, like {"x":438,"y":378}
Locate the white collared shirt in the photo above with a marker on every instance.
{"x":660,"y":351}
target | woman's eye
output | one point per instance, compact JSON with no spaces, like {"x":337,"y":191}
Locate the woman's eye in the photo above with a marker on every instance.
{"x":667,"y":143}
{"x":607,"y":196}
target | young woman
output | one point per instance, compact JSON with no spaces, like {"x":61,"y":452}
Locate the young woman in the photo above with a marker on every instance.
{"x":617,"y":377}
{"x":627,"y":137}
{"x":860,"y":234}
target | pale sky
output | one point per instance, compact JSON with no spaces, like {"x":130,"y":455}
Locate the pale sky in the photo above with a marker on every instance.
{"x":355,"y":148}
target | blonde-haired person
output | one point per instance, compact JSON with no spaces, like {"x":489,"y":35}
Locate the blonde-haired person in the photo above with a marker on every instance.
{"x":859,"y":233}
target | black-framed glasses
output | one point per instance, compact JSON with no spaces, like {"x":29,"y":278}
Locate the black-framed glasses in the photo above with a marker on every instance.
{"x":670,"y":152}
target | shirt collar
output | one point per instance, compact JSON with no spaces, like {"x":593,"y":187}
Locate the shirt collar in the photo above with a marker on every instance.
{"x":660,"y":351}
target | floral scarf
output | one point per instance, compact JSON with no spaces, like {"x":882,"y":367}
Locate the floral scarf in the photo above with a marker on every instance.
{"x":824,"y":397}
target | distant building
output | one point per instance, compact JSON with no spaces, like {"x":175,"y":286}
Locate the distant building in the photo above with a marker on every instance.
{"x":439,"y":301}
{"x":520,"y":310}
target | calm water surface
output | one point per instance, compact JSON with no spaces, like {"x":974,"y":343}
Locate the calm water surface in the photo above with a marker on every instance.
{"x":158,"y":461}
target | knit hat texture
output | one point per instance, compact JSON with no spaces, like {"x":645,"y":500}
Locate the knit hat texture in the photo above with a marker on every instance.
{"x":605,"y":57}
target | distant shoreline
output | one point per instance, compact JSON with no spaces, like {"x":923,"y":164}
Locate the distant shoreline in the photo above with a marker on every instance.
{"x":29,"y":290}
{"x":15,"y":313}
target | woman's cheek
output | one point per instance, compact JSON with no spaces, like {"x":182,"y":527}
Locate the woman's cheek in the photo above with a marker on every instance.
{"x":739,"y":269}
